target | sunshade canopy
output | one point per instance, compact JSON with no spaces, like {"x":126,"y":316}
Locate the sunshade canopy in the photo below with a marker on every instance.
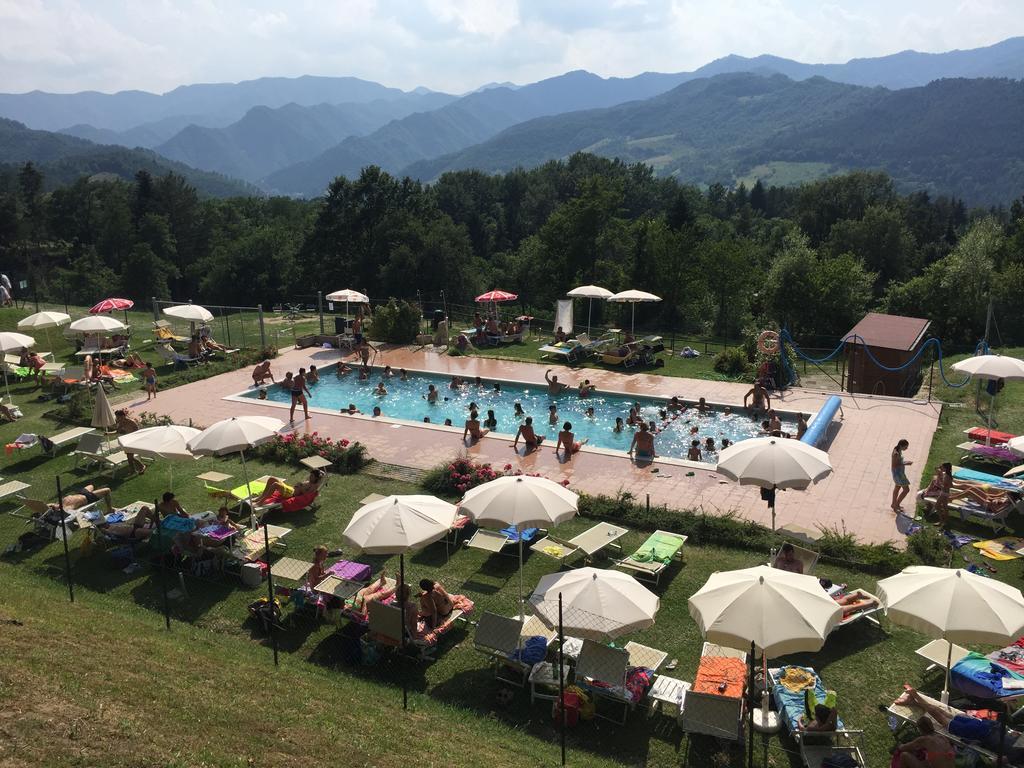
{"x":589,"y":292}
{"x":991,"y":367}
{"x":44,"y":320}
{"x":191,"y":312}
{"x":349,"y":294}
{"x":97,"y":324}
{"x":520,"y":501}
{"x":102,"y":414}
{"x":109,"y":305}
{"x":15,"y":342}
{"x":164,"y":442}
{"x":778,"y":611}
{"x":633,"y":297}
{"x":398,"y":524}
{"x":774,"y":461}
{"x":597,"y":604}
{"x":953,"y":604}
{"x":496,"y":295}
{"x":234,"y":435}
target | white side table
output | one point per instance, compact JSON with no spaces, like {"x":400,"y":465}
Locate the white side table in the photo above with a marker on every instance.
{"x":668,"y":691}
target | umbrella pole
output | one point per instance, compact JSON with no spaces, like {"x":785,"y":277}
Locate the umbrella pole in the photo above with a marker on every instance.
{"x":248,"y":492}
{"x":991,"y":406}
{"x":7,"y":386}
{"x":949,"y":661}
{"x":270,"y":584}
{"x":632,"y":325}
{"x":522,"y":615}
{"x":401,"y":601}
{"x":561,"y":676}
{"x":590,"y":309}
{"x":750,"y":711}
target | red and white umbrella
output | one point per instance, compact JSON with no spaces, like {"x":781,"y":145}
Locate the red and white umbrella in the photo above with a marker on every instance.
{"x":496,"y":295}
{"x":111,"y":305}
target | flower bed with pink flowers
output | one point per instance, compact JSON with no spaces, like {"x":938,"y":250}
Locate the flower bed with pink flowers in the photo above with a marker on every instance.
{"x":347,"y":457}
{"x":462,"y":474}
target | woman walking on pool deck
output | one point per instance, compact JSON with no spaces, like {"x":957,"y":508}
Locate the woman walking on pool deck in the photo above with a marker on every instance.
{"x":898,"y":465}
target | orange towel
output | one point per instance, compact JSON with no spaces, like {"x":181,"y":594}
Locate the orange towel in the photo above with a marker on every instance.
{"x":721,"y":676}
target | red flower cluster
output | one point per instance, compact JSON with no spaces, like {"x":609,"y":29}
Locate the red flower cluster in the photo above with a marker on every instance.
{"x":464,"y":474}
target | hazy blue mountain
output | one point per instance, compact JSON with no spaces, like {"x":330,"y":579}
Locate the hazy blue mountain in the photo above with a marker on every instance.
{"x":266,"y":139}
{"x":960,"y":136}
{"x":224,"y":102}
{"x":466,"y":121}
{"x":147,"y":135}
{"x":63,"y":159}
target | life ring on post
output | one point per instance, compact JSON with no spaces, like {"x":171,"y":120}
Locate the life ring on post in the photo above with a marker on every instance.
{"x":768,"y":343}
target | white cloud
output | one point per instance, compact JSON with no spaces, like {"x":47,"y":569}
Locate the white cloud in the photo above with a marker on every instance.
{"x":455,"y":45}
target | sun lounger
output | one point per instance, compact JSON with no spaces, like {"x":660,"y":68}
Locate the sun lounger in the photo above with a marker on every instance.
{"x":568,"y":351}
{"x":602,"y":670}
{"x":937,"y":652}
{"x":989,"y":454}
{"x":163,"y":332}
{"x":993,"y":436}
{"x":385,"y":627}
{"x":865,"y":613}
{"x":590,"y":542}
{"x":715,"y":701}
{"x":496,"y":541}
{"x":972,"y":511}
{"x":501,"y":639}
{"x":170,"y":355}
{"x":627,"y":355}
{"x":1001,"y":483}
{"x":817,"y":745}
{"x":94,"y":450}
{"x":66,"y":438}
{"x":12,"y":489}
{"x":908,"y":714}
{"x":808,"y":557}
{"x":290,"y":569}
{"x":653,"y":557}
{"x":351,"y":612}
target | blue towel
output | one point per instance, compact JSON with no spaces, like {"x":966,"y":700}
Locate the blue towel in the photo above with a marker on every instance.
{"x":984,"y":477}
{"x":982,"y":678}
{"x":792,"y":705}
{"x":513,"y":535}
{"x":534,"y":649}
{"x":115,"y":517}
{"x":176,"y":523}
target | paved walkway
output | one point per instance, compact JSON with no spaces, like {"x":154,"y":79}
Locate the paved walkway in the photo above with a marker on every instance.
{"x":855,"y":497}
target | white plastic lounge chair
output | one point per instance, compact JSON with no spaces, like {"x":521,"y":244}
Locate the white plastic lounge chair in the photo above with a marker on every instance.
{"x":494,"y":541}
{"x":385,"y":625}
{"x":590,"y":542}
{"x":714,"y":714}
{"x":808,"y":557}
{"x":937,"y":652}
{"x":653,"y":557}
{"x":168,"y":354}
{"x":94,"y":449}
{"x":12,"y":489}
{"x":499,"y":637}
{"x":569,"y":351}
{"x":67,"y":437}
{"x":603,"y":664}
{"x":868,"y":613}
{"x":972,"y":512}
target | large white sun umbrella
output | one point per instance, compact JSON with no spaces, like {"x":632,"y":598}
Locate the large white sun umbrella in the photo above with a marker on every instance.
{"x":589,"y":292}
{"x":991,"y":367}
{"x":44,"y":321}
{"x":191,"y":312}
{"x":13,"y":342}
{"x":169,"y":441}
{"x":774,"y":463}
{"x":102,"y":414}
{"x":633,"y":297}
{"x":597,"y":604}
{"x":97,"y":324}
{"x":773,"y":611}
{"x":523,"y":502}
{"x":347,"y":295}
{"x":955,"y":605}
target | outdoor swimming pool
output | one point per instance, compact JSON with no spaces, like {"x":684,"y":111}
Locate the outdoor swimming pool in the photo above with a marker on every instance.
{"x":406,"y":400}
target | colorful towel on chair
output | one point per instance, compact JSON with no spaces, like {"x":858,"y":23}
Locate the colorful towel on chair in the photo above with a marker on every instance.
{"x":997,"y":482}
{"x":513,"y":535}
{"x":1011,"y":657}
{"x":349,"y":570}
{"x":1003,"y":548}
{"x":790,"y":694}
{"x":996,"y":453}
{"x":430,"y":637}
{"x":994,"y":436}
{"x":659,"y":548}
{"x":721,"y":676}
{"x":980,"y":677}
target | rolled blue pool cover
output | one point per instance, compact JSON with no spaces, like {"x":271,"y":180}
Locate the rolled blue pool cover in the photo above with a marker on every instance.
{"x":818,"y":427}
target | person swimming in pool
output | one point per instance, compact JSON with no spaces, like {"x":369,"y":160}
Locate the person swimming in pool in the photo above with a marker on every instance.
{"x":619,"y":425}
{"x":517,"y":411}
{"x":555,"y":387}
{"x":694,"y":453}
{"x":643,"y":444}
{"x":552,"y":414}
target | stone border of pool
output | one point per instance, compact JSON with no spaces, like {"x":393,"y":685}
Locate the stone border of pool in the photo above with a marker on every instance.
{"x":242,"y":397}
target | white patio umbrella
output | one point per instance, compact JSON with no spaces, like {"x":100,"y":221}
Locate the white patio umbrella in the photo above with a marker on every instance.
{"x":164,"y":442}
{"x":597,"y":604}
{"x":523,"y":502}
{"x":43,"y":321}
{"x":955,"y":605}
{"x":191,"y":312}
{"x":97,"y":324}
{"x":102,"y":414}
{"x":395,"y":525}
{"x":776,"y":612}
{"x":991,"y":367}
{"x":589,"y":292}
{"x":633,"y":297}
{"x":13,"y":342}
{"x":774,"y":463}
{"x":347,"y":295}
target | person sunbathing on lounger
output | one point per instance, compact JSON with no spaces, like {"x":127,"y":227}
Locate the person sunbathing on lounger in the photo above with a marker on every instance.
{"x":940,"y":487}
{"x":855,"y":603}
{"x":787,"y":560}
{"x":169,"y":506}
{"x":824,"y":719}
{"x":89,"y":494}
{"x":278,"y":490}
{"x":435,"y":603}
{"x":931,"y":749}
{"x":378,"y":591}
{"x":140,"y":529}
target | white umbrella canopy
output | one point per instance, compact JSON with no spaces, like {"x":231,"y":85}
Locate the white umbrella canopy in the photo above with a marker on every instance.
{"x":633,"y":297}
{"x":102,"y":414}
{"x":234,"y":435}
{"x":991,"y":367}
{"x":520,"y":501}
{"x":774,"y":461}
{"x":13,"y":342}
{"x":164,"y":442}
{"x":347,"y":295}
{"x":953,"y":604}
{"x":597,"y":604}
{"x":589,"y":292}
{"x":778,"y":611}
{"x":44,"y":319}
{"x":399,"y":524}
{"x":192,"y":312}
{"x":96,"y":324}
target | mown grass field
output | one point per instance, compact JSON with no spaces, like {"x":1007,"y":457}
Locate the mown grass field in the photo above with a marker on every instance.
{"x":102,"y":683}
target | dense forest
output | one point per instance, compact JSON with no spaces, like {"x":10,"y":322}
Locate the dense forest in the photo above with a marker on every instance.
{"x":815,"y":257}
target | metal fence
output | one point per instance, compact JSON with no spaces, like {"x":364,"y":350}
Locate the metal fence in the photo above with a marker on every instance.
{"x":235,"y":327}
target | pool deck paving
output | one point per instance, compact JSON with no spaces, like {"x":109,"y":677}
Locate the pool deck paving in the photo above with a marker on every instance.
{"x":855,"y":497}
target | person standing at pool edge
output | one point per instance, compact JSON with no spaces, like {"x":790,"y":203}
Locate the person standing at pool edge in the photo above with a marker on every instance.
{"x":299,"y":392}
{"x":555,"y":387}
{"x":898,"y":465}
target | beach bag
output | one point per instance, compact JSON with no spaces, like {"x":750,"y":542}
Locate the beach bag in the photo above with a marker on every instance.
{"x":587,"y":706}
{"x":970,"y":728}
{"x":570,"y":704}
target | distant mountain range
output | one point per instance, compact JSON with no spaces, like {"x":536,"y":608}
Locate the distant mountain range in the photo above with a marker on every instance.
{"x":733,"y":119}
{"x":956,"y":136}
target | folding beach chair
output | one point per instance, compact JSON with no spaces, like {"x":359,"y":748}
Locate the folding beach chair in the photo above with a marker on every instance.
{"x":808,"y":557}
{"x":599,"y":663}
{"x":12,"y":489}
{"x":52,"y":444}
{"x":653,"y":557}
{"x":500,"y":638}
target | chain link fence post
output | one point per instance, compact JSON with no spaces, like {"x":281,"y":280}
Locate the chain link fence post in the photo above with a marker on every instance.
{"x":263,"y":332}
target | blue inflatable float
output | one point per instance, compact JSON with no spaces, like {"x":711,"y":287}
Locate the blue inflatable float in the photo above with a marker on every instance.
{"x":817,"y":430}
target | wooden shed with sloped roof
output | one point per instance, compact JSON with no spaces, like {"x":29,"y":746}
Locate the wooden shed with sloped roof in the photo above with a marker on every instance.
{"x":892,"y":340}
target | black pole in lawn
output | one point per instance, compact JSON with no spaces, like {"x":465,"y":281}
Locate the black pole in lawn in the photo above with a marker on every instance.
{"x":270,"y":585}
{"x":162,"y":555}
{"x":402,"y":600}
{"x":561,"y":677}
{"x":750,"y":711}
{"x":1002,"y":734}
{"x":64,"y":538}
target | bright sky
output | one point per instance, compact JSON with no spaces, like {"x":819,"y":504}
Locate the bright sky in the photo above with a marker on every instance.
{"x":456,"y":45}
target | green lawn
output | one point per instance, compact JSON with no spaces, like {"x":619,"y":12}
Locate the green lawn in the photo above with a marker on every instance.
{"x":120,"y":679}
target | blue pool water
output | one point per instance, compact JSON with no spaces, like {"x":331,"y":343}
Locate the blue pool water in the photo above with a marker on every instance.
{"x":406,"y":400}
